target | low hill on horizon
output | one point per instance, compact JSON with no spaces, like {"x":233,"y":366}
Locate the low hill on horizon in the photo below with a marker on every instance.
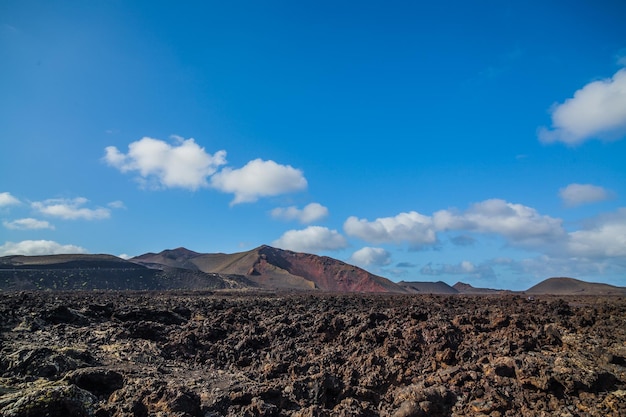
{"x":572,"y":286}
{"x":427,"y":287}
{"x":103,"y":272}
{"x":465,"y":288}
{"x":175,"y":258}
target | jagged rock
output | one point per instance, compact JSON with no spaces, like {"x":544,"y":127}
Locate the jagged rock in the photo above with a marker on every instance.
{"x":148,"y":314}
{"x":63,"y":314}
{"x":45,"y":362}
{"x":99,"y":381}
{"x":233,"y":354}
{"x":51,"y":401}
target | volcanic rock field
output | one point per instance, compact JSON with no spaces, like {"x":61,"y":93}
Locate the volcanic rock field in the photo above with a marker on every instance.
{"x":243,"y":353}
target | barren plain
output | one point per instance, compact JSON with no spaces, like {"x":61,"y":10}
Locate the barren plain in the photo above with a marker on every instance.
{"x":241,"y":353}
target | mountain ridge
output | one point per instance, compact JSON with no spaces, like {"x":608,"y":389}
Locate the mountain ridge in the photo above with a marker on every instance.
{"x":262,"y":268}
{"x":275,"y":268}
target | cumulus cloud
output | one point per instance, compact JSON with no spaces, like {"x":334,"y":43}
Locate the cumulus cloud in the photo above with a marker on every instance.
{"x":411,"y":227}
{"x":70,"y":209}
{"x":27,"y":224}
{"x":6,"y":199}
{"x":371,"y":256}
{"x":598,"y":110}
{"x":308,"y":214}
{"x":519,"y":224}
{"x":183,"y":164}
{"x":577,"y":194}
{"x":258,"y":178}
{"x":604,"y":237}
{"x":312,"y":239}
{"x":38,"y":247}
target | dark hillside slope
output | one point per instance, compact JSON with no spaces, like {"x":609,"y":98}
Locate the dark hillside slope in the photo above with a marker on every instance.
{"x":571,"y":286}
{"x":90,"y":272}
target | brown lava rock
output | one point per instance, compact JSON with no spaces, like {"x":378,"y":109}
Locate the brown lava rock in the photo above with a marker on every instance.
{"x":123,"y":354}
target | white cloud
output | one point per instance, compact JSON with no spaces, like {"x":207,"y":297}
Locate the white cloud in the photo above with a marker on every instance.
{"x":27,"y":224}
{"x":38,"y":247}
{"x":70,"y":209}
{"x":371,"y":256}
{"x":597,"y":249}
{"x":257,"y":179}
{"x":124,"y":256}
{"x":6,"y":199}
{"x":184,"y":164}
{"x":577,"y":194}
{"x":519,"y":224}
{"x":117,"y":204}
{"x":411,"y":227}
{"x":308,"y":214}
{"x":598,"y":110}
{"x":312,"y":239}
{"x":605,"y":237}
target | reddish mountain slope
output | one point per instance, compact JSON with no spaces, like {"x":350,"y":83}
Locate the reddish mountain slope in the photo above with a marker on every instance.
{"x":281,"y":269}
{"x":328,"y":274}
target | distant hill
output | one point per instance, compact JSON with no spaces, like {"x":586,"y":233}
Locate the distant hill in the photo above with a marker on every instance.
{"x":175,"y":258}
{"x":464,"y":288}
{"x":571,"y":286}
{"x":425,"y":287}
{"x":278,"y":269}
{"x":89,"y":272}
{"x":64,"y":261}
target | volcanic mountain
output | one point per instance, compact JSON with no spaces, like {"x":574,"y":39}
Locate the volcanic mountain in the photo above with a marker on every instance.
{"x":277,"y":269}
{"x":571,"y":286}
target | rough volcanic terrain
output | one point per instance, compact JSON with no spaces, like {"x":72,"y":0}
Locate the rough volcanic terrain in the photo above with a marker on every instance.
{"x":243,"y":354}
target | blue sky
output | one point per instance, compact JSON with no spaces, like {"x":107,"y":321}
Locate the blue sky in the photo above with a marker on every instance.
{"x":482,"y":142}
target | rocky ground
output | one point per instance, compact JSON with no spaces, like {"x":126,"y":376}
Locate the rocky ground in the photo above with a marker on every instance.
{"x":241,"y":354}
